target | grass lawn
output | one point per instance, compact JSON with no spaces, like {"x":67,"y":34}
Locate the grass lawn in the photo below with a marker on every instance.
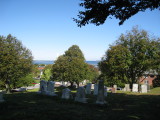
{"x":120,"y":106}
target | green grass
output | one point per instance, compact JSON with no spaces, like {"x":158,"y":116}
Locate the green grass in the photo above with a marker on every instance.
{"x":155,"y":91}
{"x":120,"y":106}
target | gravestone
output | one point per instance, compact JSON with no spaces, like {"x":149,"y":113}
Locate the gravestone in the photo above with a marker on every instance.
{"x":95,"y":92}
{"x":113,"y":90}
{"x":50,"y":88}
{"x":105,"y":91}
{"x":115,"y":86}
{"x":135,"y":88}
{"x":88,"y":88}
{"x":100,"y":97}
{"x":1,"y":97}
{"x":92,"y":86}
{"x":43,"y":87}
{"x":144,"y":88}
{"x":66,"y":93}
{"x":80,"y":95}
{"x":127,"y":87}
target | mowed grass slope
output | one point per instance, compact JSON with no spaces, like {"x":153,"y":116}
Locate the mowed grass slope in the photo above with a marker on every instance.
{"x":120,"y":106}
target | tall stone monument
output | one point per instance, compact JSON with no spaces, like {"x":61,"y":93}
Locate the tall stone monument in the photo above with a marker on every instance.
{"x":100,"y":97}
{"x":88,"y":88}
{"x":95,"y":92}
{"x":1,"y":97}
{"x":105,"y":91}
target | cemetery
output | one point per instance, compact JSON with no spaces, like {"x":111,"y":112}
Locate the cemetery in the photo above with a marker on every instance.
{"x":50,"y":102}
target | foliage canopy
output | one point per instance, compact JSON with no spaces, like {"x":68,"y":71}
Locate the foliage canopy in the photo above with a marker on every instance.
{"x":71,"y":66}
{"x":15,"y":61}
{"x":133,"y":53}
{"x":97,"y":11}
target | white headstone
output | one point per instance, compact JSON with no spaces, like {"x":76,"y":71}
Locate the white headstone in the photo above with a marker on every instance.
{"x":50,"y":88}
{"x":88,"y":88}
{"x":127,"y":87}
{"x":95,"y":92}
{"x":92,"y":86}
{"x":144,"y":88}
{"x":43,"y":87}
{"x":80,"y":95}
{"x":135,"y":88}
{"x":115,"y":86}
{"x":1,"y":97}
{"x":100,"y":96}
{"x":66,"y":93}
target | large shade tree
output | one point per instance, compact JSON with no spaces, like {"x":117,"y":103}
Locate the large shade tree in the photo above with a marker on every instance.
{"x":15,"y":61}
{"x":133,"y":53}
{"x":70,"y":67}
{"x":97,"y":11}
{"x":114,"y":65}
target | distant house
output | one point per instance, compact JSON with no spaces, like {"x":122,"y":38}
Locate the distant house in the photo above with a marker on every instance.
{"x":148,"y":77}
{"x":41,"y":68}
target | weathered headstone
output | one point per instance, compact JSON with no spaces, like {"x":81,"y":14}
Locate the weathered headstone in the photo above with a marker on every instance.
{"x":88,"y":88}
{"x":113,"y":90}
{"x":144,"y":88}
{"x":135,"y":88}
{"x":80,"y":95}
{"x":50,"y":88}
{"x":127,"y":87}
{"x":100,"y":97}
{"x":43,"y":87}
{"x":66,"y":93}
{"x":1,"y":97}
{"x":115,"y":86}
{"x":95,"y":92}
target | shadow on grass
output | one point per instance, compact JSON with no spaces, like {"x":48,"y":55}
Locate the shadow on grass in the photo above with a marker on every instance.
{"x":120,"y":106}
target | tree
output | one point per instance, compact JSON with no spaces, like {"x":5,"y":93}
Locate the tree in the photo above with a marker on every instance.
{"x":115,"y":64}
{"x":133,"y":53}
{"x":97,"y":11}
{"x":35,"y":71}
{"x":27,"y":80}
{"x":47,"y":73}
{"x":15,"y":61}
{"x":70,"y":67}
{"x":93,"y":73}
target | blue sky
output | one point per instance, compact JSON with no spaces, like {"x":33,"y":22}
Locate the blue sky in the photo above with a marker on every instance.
{"x":47,"y":29}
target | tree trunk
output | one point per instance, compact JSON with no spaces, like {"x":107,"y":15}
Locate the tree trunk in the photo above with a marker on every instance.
{"x":77,"y":84}
{"x":71,"y":84}
{"x":8,"y":89}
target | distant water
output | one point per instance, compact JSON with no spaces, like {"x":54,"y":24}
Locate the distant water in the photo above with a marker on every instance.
{"x":46,"y":62}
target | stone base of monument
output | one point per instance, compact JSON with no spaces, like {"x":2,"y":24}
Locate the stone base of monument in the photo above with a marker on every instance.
{"x":1,"y":98}
{"x":50,"y":93}
{"x":101,"y":102}
{"x":41,"y":92}
{"x":82,"y":100}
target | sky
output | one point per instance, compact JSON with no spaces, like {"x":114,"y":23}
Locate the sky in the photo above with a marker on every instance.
{"x":46,"y":27}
